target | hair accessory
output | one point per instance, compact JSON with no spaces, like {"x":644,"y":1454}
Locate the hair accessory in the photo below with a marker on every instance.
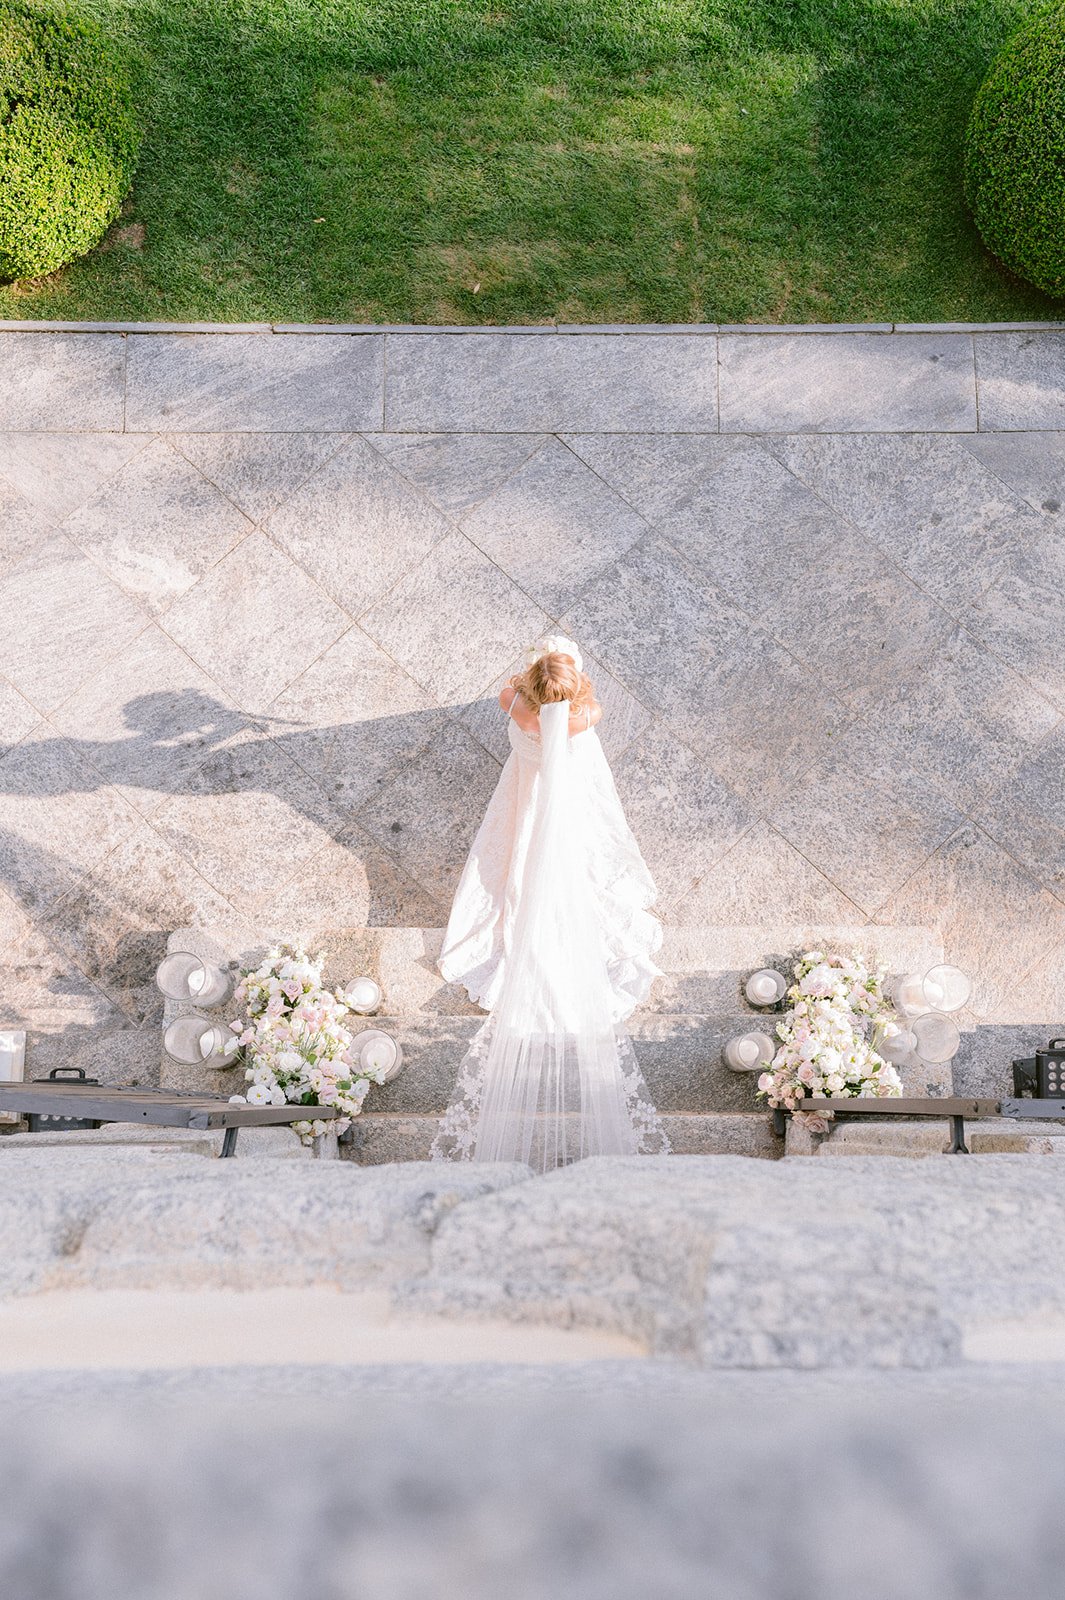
{"x":554,"y":644}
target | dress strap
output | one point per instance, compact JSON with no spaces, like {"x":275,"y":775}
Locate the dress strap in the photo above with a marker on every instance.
{"x":513,"y":697}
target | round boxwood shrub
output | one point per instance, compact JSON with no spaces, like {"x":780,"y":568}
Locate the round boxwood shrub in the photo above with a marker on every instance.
{"x":1015,"y":154}
{"x":68,"y":137}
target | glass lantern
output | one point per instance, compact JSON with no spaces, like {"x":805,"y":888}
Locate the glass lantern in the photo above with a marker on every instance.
{"x":181,"y":975}
{"x":748,"y":1052}
{"x":766,"y":987}
{"x":363,"y":995}
{"x":196,"y":1041}
{"x":935,"y":1037}
{"x":378,"y":1053}
{"x":946,"y":988}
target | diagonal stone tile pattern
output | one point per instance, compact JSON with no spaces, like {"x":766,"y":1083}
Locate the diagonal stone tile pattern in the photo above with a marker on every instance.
{"x":261,"y":591}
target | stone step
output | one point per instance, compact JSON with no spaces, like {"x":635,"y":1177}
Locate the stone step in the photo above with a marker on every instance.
{"x":380,"y":1137}
{"x":680,"y":1057}
{"x":704,"y":967}
{"x":694,"y":1009}
{"x":928,"y":1137}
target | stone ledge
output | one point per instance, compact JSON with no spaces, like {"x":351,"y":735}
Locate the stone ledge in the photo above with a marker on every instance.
{"x":390,"y":1136}
{"x":698,"y":329}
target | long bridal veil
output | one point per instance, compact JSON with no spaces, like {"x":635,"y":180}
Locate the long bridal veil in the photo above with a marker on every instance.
{"x":550,"y":1076}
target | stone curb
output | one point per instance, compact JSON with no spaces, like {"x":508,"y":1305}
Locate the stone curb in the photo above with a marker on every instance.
{"x":612,"y":328}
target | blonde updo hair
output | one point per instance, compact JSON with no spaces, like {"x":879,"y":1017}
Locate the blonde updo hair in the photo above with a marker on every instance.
{"x":554,"y":677}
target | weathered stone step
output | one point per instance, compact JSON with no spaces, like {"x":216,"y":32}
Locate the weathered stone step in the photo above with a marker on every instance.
{"x":379,"y":1137}
{"x":927,"y":1137}
{"x":679,"y":1055}
{"x":704,"y":967}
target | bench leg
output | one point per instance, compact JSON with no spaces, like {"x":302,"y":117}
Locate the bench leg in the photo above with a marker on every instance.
{"x":957,"y":1145}
{"x":229,"y":1142}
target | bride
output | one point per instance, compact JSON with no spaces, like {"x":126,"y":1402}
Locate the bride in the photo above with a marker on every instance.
{"x":551,"y":934}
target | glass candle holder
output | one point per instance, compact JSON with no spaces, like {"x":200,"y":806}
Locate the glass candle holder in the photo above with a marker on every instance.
{"x":379,"y":1053}
{"x":196,"y":1041}
{"x":935,"y":1037}
{"x":363,"y":995}
{"x":908,"y":996}
{"x":765,"y":987}
{"x":894,"y":1045}
{"x":946,"y":988}
{"x":181,"y":975}
{"x":748,"y":1052}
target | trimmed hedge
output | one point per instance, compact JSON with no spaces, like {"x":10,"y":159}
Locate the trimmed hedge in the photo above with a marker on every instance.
{"x":68,"y":137}
{"x":1015,"y":154}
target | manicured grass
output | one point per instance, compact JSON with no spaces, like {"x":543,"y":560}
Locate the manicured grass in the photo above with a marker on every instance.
{"x":579,"y":160}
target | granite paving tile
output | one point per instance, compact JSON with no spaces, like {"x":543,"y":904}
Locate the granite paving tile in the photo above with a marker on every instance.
{"x":1036,"y":998}
{"x":351,"y":883}
{"x":244,"y":382}
{"x":684,"y":817}
{"x":257,"y":471}
{"x":17,"y":716}
{"x":829,"y":383}
{"x":58,"y":381}
{"x":248,"y":818}
{"x":756,"y":716}
{"x":1033,"y":464}
{"x":763,"y":875}
{"x":624,"y":717}
{"x":148,"y":719}
{"x":758,"y":535}
{"x":461,"y":383}
{"x":57,"y":472}
{"x":1020,"y":379}
{"x":926,"y":502}
{"x":67,"y":620}
{"x":995,"y":920}
{"x":255,"y":622}
{"x":352,"y":718}
{"x":157,"y":526}
{"x":454,"y":620}
{"x":651,"y":622}
{"x":1025,"y":814}
{"x":426,"y":817}
{"x":66,"y":1017}
{"x":966,"y":722}
{"x":718,"y":679}
{"x":866,"y":820}
{"x":58,"y":819}
{"x":356,"y":526}
{"x":456,"y":471}
{"x":23,"y":528}
{"x":554,"y":526}
{"x":885,"y":632}
{"x":113,"y":924}
{"x":1020,"y":618}
{"x":654,"y":472}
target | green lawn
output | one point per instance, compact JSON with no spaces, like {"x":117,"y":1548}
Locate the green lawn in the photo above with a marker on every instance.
{"x":532,"y":160}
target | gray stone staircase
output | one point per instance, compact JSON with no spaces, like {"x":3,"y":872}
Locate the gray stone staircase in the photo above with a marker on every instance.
{"x":692,"y":1011}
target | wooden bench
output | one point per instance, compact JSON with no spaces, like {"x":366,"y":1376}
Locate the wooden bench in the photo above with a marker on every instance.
{"x":160,"y":1108}
{"x":956,"y":1107}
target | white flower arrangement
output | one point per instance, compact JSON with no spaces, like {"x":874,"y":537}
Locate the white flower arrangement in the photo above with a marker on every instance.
{"x":839,"y":1014}
{"x":296,"y":1048}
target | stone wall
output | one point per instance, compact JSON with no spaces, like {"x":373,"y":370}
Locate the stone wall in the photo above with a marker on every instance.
{"x":260,"y":591}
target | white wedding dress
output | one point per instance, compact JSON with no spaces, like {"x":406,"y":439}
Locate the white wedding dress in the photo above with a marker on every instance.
{"x":551,"y":933}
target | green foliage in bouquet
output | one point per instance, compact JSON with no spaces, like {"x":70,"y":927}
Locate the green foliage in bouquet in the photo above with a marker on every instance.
{"x":1015,"y":154}
{"x":68,"y":136}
